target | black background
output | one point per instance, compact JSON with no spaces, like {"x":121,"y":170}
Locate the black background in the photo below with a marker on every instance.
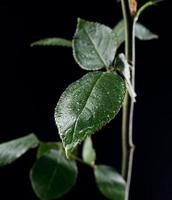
{"x":32,"y":79}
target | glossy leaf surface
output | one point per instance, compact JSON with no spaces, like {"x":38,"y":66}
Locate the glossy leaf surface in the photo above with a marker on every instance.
{"x":87,"y":105}
{"x":93,"y":45}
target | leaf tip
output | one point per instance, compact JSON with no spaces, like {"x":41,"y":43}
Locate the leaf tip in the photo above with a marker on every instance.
{"x":32,"y":44}
{"x":156,"y":36}
{"x":78,"y":19}
{"x":80,"y":22}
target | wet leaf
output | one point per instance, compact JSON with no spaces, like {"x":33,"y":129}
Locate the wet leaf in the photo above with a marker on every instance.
{"x":53,"y":175}
{"x":93,"y":45}
{"x":87,"y":105}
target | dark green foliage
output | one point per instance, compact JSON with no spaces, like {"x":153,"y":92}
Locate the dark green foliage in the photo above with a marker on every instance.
{"x":12,"y":150}
{"x":53,"y":175}
{"x":110,"y":183}
{"x":87,"y":105}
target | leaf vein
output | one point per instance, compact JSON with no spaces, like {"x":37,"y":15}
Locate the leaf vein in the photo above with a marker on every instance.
{"x":96,"y":50}
{"x":51,"y":180}
{"x":76,"y":122}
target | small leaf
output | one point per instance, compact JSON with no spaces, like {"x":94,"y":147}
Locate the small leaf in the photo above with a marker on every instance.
{"x":44,"y":147}
{"x":110,"y":183}
{"x":93,"y":45}
{"x":52,"y":42}
{"x":119,"y":32}
{"x":141,"y":33}
{"x":12,"y":150}
{"x":87,"y":105}
{"x":53,"y":175}
{"x":88,"y":152}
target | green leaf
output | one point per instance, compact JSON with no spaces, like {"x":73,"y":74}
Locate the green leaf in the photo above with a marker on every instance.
{"x":44,"y":147}
{"x":53,"y":175}
{"x":141,"y":33}
{"x":88,"y":152}
{"x":110,"y":182}
{"x":87,"y":105}
{"x":52,"y":42}
{"x":12,"y":150}
{"x":119,"y":32}
{"x":93,"y":45}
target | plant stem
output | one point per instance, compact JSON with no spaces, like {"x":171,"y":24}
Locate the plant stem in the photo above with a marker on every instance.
{"x":81,"y":161}
{"x":128,"y":108}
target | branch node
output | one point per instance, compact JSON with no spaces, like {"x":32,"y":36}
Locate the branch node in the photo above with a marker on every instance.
{"x":132,"y":147}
